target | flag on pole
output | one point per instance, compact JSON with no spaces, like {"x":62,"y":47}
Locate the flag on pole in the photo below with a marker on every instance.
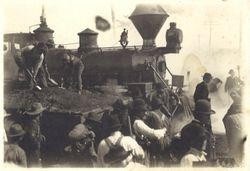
{"x":101,"y":23}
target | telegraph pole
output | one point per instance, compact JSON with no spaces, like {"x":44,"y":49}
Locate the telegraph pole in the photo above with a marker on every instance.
{"x":210,"y":38}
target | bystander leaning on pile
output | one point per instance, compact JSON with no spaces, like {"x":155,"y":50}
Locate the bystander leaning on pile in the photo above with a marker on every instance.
{"x":234,"y":122}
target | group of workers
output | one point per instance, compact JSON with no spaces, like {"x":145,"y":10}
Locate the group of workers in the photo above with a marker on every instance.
{"x":134,"y":134}
{"x":32,"y":59}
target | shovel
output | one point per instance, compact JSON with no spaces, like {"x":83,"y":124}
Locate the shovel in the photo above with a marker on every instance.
{"x":37,"y":87}
{"x":53,"y":82}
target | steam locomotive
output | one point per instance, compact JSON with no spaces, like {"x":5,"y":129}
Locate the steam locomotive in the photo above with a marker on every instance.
{"x":121,"y":65}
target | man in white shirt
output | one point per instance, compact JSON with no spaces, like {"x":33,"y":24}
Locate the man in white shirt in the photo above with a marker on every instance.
{"x":150,"y":132}
{"x":140,"y":126}
{"x":116,"y":138}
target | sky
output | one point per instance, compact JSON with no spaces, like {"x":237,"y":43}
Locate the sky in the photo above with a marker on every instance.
{"x":215,"y":31}
{"x":198,"y":19}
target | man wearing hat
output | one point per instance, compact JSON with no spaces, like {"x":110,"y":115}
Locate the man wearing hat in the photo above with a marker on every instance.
{"x":121,"y":110}
{"x":124,"y":38}
{"x":201,"y":91}
{"x":117,"y":138}
{"x":232,"y":82}
{"x":235,"y":125}
{"x":72,"y":71}
{"x":118,"y":157}
{"x":158,"y":110}
{"x":35,"y":64}
{"x":149,"y":126}
{"x":174,"y":37}
{"x":32,"y":139}
{"x":140,"y":118}
{"x":13,"y":153}
{"x":203,"y":113}
{"x":81,"y":151}
{"x":164,"y":95}
{"x":193,"y":135}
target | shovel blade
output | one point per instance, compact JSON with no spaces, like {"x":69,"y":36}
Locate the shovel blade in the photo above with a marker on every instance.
{"x":53,"y":82}
{"x":38,"y":88}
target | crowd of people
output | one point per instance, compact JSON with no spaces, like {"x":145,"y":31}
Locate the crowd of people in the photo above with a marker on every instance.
{"x":137,"y":133}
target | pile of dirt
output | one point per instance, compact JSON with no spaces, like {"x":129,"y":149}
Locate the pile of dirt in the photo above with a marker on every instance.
{"x":60,"y":100}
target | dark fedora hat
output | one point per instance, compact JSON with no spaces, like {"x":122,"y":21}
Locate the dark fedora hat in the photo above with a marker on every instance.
{"x":207,"y":75}
{"x":139,"y":105}
{"x":15,"y":130}
{"x":119,"y":104}
{"x":193,"y":132}
{"x":116,"y":155}
{"x":113,"y":123}
{"x":203,"y":106}
{"x":35,"y":109}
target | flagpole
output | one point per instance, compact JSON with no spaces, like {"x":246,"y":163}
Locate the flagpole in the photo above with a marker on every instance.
{"x":113,"y":22}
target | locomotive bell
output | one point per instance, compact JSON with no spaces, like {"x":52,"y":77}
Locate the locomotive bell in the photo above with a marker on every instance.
{"x":148,"y":20}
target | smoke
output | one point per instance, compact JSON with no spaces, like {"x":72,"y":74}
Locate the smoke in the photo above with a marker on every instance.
{"x":218,"y":65}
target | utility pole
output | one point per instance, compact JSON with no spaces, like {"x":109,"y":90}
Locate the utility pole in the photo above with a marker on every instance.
{"x":199,"y":42}
{"x":240,"y":33}
{"x":210,"y":38}
{"x":113,"y":22}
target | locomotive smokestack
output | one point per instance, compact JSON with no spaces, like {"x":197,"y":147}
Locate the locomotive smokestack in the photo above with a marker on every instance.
{"x":148,"y":20}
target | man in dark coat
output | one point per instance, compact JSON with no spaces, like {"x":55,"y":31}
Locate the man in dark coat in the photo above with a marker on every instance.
{"x":201,"y":91}
{"x":232,"y":82}
{"x":203,"y":113}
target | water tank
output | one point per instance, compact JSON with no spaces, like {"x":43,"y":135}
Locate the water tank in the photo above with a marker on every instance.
{"x":88,"y":40}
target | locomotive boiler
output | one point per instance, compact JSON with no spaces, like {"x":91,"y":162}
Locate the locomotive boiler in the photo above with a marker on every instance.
{"x":127,"y":65}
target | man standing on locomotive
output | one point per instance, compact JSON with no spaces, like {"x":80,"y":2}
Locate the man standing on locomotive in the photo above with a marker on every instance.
{"x":72,"y":71}
{"x":124,"y":38}
{"x":34,"y":63}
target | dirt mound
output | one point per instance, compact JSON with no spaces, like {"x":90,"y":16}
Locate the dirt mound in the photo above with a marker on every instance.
{"x":56,"y":99}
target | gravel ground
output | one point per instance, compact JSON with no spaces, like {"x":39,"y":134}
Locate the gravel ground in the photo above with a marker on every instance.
{"x":56,"y":99}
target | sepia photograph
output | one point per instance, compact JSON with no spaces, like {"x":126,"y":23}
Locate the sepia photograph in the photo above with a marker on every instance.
{"x":125,"y":84}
